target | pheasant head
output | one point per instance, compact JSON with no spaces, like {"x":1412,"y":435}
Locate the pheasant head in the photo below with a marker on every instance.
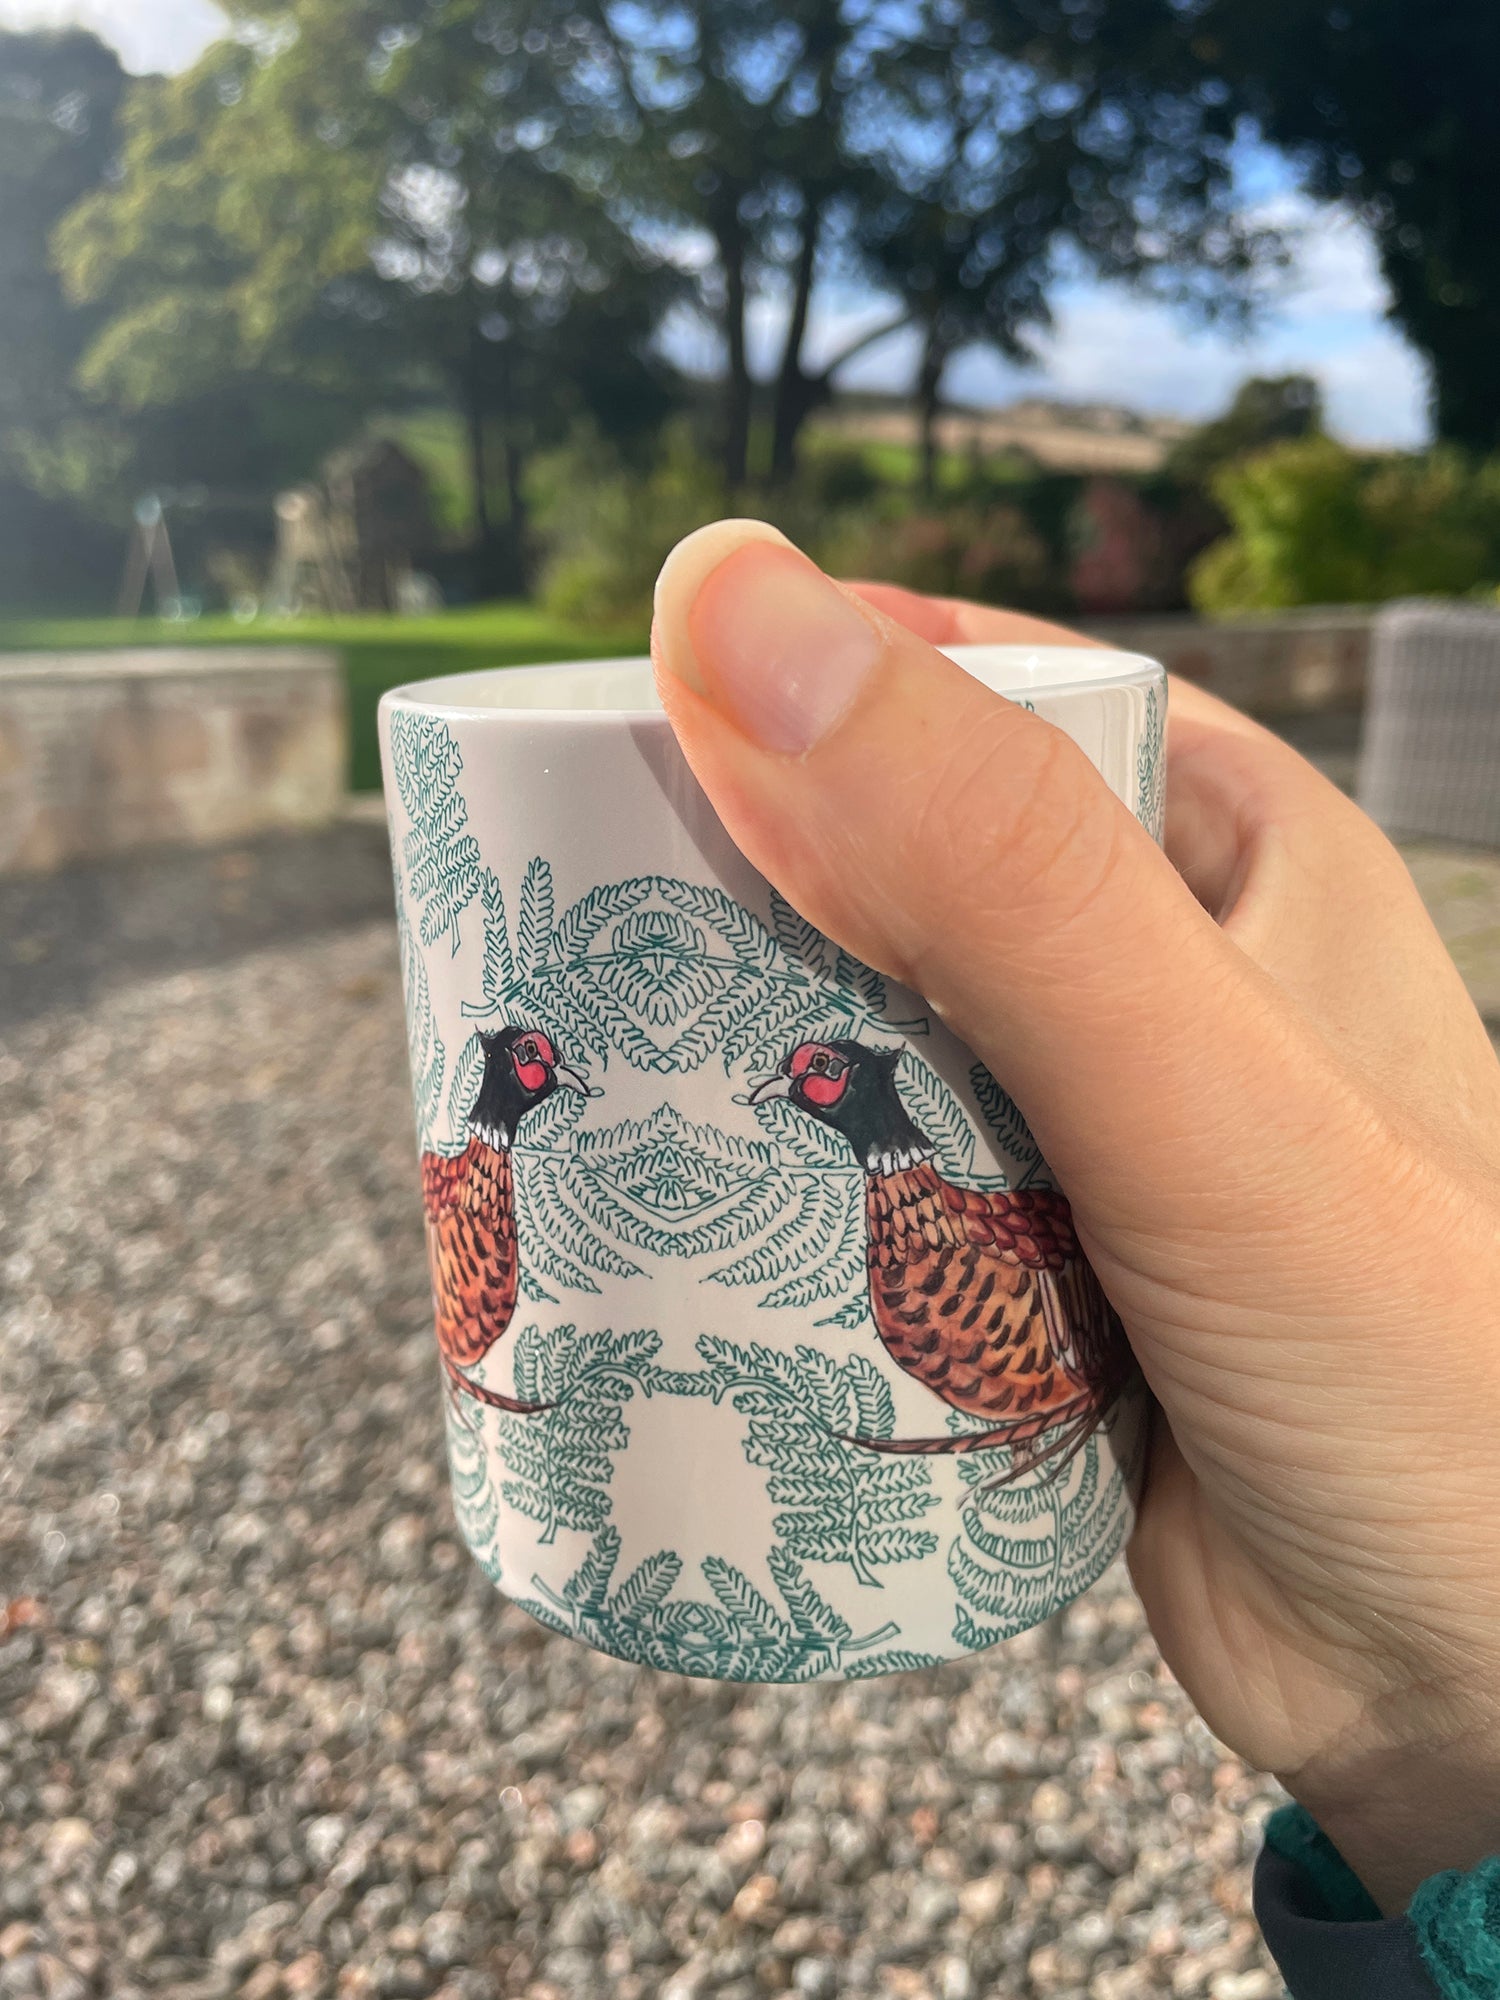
{"x":522,"y":1069}
{"x":852,"y":1088}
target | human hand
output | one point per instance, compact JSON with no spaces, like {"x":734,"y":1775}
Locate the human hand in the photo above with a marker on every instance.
{"x":1275,"y":1111}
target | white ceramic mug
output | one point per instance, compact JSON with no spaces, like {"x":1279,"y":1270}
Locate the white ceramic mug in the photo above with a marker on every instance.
{"x":768,"y":1350}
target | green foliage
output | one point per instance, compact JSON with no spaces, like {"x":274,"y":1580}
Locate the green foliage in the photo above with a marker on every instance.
{"x":1266,"y":410}
{"x":608,"y":525}
{"x":1026,"y":1549}
{"x":559,"y":1462}
{"x":838,"y":1503}
{"x":983,"y":548}
{"x":1315,"y":523}
{"x":441,"y":858}
{"x":736,"y":1633}
{"x":1388,"y":109}
{"x":60,"y":95}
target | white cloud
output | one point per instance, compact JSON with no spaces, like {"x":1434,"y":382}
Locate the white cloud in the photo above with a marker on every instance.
{"x":148,"y":34}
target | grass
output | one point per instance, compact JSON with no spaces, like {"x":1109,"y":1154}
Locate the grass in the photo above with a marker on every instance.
{"x":378,"y":652}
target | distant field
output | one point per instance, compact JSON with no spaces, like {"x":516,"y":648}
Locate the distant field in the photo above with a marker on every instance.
{"x":378,"y":652}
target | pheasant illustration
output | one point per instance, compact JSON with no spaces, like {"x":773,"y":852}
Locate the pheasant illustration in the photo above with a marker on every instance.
{"x":983,"y":1296}
{"x":469,"y":1200}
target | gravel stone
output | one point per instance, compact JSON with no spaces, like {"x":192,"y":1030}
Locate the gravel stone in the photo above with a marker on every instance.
{"x":265,"y":1730}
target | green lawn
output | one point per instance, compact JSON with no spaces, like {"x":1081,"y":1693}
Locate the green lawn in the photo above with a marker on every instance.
{"x":378,"y":652}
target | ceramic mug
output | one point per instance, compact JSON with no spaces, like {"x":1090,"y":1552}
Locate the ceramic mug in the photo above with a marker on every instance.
{"x":768,"y":1350}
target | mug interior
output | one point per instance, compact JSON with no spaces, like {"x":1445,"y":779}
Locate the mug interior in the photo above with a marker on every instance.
{"x":626,"y":686}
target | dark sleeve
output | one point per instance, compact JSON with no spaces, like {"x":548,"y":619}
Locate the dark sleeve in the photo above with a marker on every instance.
{"x":1324,"y":1932}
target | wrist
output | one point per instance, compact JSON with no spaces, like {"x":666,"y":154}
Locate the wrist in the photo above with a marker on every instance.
{"x":1401,"y":1811}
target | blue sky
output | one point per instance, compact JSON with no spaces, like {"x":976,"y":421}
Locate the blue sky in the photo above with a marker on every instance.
{"x":1325,"y":317}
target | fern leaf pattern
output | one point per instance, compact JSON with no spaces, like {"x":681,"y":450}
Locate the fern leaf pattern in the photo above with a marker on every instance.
{"x":733,"y":1631}
{"x":1151,"y":771}
{"x":559,"y":1462}
{"x":644,"y":981}
{"x":836,"y":1502}
{"x":1012,"y":1133}
{"x":1026,"y":1548}
{"x":428,"y":1058}
{"x":476,"y":1505}
{"x":441,"y":857}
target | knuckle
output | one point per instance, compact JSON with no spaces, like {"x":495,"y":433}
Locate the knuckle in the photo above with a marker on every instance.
{"x":1011,"y":822}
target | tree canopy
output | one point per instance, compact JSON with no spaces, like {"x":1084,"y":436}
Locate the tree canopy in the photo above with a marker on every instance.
{"x":1389,"y":106}
{"x":59,"y":99}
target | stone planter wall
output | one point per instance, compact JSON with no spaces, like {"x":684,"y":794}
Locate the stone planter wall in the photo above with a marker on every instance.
{"x":1292,"y":663}
{"x":101,"y":753}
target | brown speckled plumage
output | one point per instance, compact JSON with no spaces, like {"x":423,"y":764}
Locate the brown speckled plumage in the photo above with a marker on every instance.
{"x":468,"y":1200}
{"x":985,"y":1297}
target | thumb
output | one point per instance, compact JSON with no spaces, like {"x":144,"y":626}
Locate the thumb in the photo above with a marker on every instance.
{"x":970,"y":849}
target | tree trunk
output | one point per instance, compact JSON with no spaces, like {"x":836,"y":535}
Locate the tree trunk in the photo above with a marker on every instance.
{"x":929,"y":404}
{"x":1461,"y":345}
{"x":795,"y":396}
{"x":513,"y":460}
{"x":487,"y":565}
{"x":515,"y":494}
{"x":738,"y":387}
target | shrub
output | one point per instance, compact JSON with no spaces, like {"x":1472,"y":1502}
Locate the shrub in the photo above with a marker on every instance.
{"x":990,"y":552}
{"x":1315,"y":523}
{"x":607,"y":528}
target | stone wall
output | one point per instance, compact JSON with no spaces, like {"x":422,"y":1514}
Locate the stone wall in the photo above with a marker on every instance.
{"x":1291,"y":663}
{"x":101,"y":753}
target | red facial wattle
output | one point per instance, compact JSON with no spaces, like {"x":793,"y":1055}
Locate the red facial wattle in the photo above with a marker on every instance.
{"x":534,"y":1061}
{"x":819,"y":1075}
{"x":823,"y":1090}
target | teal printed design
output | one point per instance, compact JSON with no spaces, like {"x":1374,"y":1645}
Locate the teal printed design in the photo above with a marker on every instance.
{"x":736,"y":1633}
{"x":560,"y":1246}
{"x":1151,"y":771}
{"x":428,"y":1059}
{"x":1010,"y":1129}
{"x":441,"y":858}
{"x":476,"y":1505}
{"x":675,"y":1188}
{"x":666,"y":973}
{"x":1028,"y":1548}
{"x":816,"y":1253}
{"x":559,"y":1462}
{"x":838,"y":1503}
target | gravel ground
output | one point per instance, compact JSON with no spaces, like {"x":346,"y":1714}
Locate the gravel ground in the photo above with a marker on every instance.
{"x":264,"y":1730}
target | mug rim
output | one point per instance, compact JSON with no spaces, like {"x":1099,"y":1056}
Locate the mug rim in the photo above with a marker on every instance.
{"x":1012,"y":671}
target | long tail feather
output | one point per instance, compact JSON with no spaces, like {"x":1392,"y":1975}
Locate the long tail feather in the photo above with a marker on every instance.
{"x":491,"y":1398}
{"x":1013,"y":1431}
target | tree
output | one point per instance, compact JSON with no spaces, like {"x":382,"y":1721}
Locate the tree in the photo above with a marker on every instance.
{"x":1266,"y":410}
{"x":955,"y":154}
{"x":356,"y":206}
{"x":1388,"y":106}
{"x":59,"y":101}
{"x":1017,"y":141}
{"x":205,"y":391}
